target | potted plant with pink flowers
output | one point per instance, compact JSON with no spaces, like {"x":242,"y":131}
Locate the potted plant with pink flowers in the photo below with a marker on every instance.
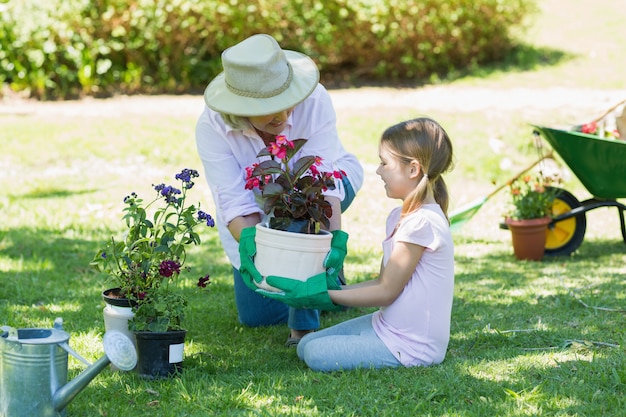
{"x":292,"y":189}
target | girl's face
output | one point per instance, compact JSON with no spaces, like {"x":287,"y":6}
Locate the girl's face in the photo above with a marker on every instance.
{"x":273,"y":124}
{"x":399,"y":178}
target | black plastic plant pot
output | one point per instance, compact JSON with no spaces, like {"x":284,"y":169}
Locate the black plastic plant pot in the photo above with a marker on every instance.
{"x":160,"y":354}
{"x":112,"y":296}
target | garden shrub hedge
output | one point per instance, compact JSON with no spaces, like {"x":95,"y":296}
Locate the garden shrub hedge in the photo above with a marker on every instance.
{"x":59,"y":49}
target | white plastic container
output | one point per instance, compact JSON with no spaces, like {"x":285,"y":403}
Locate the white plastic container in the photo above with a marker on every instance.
{"x":289,"y":255}
{"x":116,"y":318}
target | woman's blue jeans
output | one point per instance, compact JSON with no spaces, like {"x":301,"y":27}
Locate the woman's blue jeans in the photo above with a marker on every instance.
{"x":255,"y":310}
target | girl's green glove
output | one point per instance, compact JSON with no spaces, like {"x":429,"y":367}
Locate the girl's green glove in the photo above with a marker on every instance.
{"x":312,"y":293}
{"x":334,"y":260}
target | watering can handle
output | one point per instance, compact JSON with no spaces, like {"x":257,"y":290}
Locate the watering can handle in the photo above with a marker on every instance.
{"x":75,"y":354}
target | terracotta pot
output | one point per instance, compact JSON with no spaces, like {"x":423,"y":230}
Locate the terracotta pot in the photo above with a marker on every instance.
{"x":289,"y":255}
{"x":529,"y":237}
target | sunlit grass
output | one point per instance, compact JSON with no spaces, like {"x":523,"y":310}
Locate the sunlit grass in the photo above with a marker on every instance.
{"x":527,"y":338}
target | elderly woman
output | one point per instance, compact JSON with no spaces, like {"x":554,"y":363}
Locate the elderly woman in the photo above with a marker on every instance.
{"x":265,"y":91}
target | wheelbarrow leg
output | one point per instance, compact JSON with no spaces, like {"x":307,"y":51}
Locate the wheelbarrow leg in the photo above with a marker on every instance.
{"x":621,"y":222}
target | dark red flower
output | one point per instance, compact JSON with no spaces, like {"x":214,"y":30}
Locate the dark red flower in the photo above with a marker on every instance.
{"x":168,"y":268}
{"x":203,"y":281}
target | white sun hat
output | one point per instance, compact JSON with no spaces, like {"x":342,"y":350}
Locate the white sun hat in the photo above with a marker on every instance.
{"x":260,"y":78}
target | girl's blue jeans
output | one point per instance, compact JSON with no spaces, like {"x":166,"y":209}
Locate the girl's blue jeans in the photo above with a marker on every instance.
{"x":348,"y":345}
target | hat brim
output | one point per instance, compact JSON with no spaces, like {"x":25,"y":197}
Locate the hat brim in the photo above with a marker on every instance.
{"x":218,"y":97}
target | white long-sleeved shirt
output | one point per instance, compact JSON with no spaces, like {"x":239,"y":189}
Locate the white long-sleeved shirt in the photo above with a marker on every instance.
{"x":226,"y":152}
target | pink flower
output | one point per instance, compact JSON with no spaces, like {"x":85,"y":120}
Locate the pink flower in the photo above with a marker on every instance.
{"x":589,"y":128}
{"x":250,"y":170}
{"x":293,"y":187}
{"x":282,"y":140}
{"x":252,"y":183}
{"x":277,"y":150}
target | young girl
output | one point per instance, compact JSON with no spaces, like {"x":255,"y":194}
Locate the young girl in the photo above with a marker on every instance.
{"x":415,"y":286}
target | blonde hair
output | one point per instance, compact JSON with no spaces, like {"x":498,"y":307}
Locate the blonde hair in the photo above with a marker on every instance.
{"x":425,"y":141}
{"x":236,"y":122}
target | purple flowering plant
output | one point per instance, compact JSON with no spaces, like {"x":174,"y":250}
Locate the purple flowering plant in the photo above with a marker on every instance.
{"x":147,"y":261}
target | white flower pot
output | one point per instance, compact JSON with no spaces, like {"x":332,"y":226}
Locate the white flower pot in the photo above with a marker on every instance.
{"x":116,"y":318}
{"x":289,"y":255}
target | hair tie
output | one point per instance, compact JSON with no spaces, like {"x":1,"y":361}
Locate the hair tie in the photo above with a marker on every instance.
{"x":425,"y":175}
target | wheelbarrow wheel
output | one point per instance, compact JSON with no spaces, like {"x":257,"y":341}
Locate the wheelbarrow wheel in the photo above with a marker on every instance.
{"x":565,"y":236}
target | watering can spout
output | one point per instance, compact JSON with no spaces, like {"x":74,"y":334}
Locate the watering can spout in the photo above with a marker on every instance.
{"x":67,"y":392}
{"x":118,"y":349}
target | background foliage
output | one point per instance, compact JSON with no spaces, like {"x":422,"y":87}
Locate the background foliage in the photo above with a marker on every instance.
{"x":71,"y":48}
{"x":527,"y":338}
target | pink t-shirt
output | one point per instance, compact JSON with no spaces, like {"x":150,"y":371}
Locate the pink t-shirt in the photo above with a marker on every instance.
{"x":416,"y":326}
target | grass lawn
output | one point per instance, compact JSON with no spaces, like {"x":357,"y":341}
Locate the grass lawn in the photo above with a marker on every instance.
{"x":527,"y":338}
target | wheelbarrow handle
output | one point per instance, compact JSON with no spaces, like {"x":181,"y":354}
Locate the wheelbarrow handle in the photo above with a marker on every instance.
{"x":606,"y":113}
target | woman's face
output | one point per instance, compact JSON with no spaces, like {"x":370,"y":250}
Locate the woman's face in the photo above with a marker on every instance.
{"x":273,"y":124}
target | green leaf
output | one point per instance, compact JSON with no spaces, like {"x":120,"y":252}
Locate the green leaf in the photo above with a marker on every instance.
{"x":272,"y":189}
{"x":302,"y":165}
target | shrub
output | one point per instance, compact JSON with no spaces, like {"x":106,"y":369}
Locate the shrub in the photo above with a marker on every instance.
{"x":70,"y":48}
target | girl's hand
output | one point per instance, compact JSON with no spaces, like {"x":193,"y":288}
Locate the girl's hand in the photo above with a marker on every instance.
{"x":387,"y":287}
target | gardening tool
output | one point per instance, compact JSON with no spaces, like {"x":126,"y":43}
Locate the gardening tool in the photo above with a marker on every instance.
{"x":464,"y":213}
{"x":33,"y":369}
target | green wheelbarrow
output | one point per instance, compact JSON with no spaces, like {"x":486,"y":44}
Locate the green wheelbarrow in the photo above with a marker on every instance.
{"x":600,"y":166}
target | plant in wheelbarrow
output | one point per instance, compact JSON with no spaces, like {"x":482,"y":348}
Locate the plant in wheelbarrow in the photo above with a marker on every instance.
{"x":144,"y":266}
{"x":292,"y":242}
{"x":530,"y":214}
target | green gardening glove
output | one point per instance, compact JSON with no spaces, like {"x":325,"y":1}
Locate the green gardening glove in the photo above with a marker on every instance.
{"x":250,"y":275}
{"x":247,"y":250}
{"x":309,"y":294}
{"x":312,"y":293}
{"x":334,"y":260}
